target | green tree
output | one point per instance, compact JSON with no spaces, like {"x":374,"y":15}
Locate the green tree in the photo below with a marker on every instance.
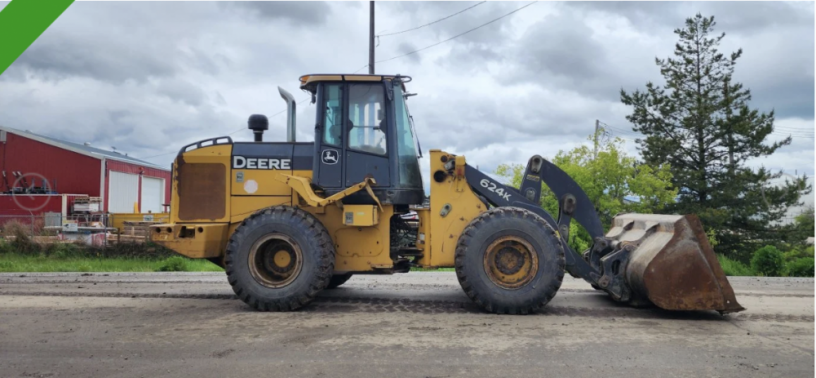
{"x":804,"y":224}
{"x":613,"y":181}
{"x":701,"y":125}
{"x":794,"y":235}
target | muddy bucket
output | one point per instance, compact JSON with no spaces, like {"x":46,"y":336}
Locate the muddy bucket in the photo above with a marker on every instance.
{"x":673,"y":265}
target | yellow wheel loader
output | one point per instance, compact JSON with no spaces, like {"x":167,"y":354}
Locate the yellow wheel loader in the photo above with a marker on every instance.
{"x":289,"y":219}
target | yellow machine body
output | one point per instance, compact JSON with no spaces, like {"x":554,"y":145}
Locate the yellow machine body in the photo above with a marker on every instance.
{"x":219,"y":204}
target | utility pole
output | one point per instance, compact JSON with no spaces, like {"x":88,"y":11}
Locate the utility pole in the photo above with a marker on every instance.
{"x":597,"y":127}
{"x":371,"y":40}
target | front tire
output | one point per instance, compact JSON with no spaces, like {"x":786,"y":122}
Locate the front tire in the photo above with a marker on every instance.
{"x":509,"y":261}
{"x":279,"y":259}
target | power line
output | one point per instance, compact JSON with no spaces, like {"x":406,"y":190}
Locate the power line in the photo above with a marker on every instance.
{"x":792,"y":128}
{"x":619,"y":130}
{"x":173,"y":152}
{"x":794,"y":131}
{"x":278,"y":113}
{"x":791,"y":132}
{"x":797,"y":134}
{"x":792,"y":135}
{"x":431,"y":23}
{"x":358,"y":70}
{"x":458,"y":35}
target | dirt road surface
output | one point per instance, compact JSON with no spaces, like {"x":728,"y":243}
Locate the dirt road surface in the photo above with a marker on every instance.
{"x":408,"y":325}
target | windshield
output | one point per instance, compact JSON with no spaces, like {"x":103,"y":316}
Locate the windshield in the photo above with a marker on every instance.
{"x":405,"y":132}
{"x":406,"y":142}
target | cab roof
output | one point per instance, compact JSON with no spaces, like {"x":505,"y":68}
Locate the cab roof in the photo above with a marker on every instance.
{"x":309,"y":82}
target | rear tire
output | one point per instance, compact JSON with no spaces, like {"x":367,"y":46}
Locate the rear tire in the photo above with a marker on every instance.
{"x":279,"y":259}
{"x":509,"y":261}
{"x":337,"y":280}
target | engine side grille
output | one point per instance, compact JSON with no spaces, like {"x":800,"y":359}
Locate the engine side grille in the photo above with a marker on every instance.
{"x":202,"y":191}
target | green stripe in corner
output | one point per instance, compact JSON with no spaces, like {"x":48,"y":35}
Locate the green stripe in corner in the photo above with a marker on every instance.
{"x":21,"y":22}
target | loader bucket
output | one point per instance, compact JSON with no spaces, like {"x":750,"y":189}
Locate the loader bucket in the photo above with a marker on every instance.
{"x":673,"y":265}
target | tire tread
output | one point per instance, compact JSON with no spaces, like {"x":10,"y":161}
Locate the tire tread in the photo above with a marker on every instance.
{"x":465,"y":239}
{"x":299,"y":219}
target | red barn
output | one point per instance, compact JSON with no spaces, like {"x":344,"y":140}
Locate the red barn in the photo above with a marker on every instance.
{"x":72,"y":168}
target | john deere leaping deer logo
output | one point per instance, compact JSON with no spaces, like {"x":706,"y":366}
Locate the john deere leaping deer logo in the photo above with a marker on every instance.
{"x":330,"y":156}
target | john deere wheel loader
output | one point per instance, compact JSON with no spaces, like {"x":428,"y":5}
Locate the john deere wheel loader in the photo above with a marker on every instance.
{"x":289,"y":219}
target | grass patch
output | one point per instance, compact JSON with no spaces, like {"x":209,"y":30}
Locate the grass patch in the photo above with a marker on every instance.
{"x":734,"y":267}
{"x":28,"y":263}
{"x":175,"y":264}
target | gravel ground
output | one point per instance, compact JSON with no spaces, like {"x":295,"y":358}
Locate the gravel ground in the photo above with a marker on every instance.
{"x":410,"y":325}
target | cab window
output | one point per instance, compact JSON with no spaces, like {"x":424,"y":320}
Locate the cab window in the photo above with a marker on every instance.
{"x":366,"y":117}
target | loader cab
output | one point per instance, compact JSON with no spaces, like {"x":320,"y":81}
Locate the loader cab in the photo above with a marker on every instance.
{"x":363,"y":129}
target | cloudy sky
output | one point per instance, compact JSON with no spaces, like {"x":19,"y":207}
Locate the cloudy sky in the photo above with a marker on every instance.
{"x":149,"y":77}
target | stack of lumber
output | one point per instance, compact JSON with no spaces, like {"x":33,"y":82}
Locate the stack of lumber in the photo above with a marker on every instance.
{"x":134,"y":232}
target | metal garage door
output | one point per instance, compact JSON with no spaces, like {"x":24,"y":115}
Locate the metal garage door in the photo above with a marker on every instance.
{"x":152,"y":194}
{"x":123,"y":192}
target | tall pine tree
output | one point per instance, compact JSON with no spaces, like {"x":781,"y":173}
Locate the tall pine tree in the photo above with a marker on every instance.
{"x":700,"y":123}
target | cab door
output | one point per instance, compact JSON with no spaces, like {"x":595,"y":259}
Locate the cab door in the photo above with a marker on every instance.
{"x":366,"y":134}
{"x":329,"y":145}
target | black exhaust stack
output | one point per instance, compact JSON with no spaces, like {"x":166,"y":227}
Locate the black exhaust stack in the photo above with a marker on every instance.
{"x":258,"y":123}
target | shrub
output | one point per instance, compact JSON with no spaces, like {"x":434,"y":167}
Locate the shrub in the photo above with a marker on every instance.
{"x":798,"y":252}
{"x":768,"y":261}
{"x":174,"y":264}
{"x":5,"y":247}
{"x":734,"y":267}
{"x":21,"y":234}
{"x":801,"y":267}
{"x":65,"y":250}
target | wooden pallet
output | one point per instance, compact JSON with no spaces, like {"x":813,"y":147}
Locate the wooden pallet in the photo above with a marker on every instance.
{"x":140,"y":223}
{"x":87,"y":199}
{"x":126,"y":239}
{"x":134,"y":231}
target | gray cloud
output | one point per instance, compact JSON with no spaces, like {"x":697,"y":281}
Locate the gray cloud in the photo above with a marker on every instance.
{"x":407,"y":47}
{"x":736,"y":16}
{"x":558,"y":48}
{"x":309,"y":13}
{"x":61,"y":57}
{"x":182,"y":91}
